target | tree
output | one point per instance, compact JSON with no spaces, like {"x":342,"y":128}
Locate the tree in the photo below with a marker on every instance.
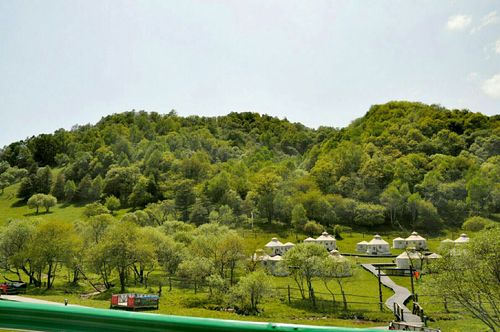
{"x":338,"y":269}
{"x":96,"y":189}
{"x":43,"y":180}
{"x":14,"y":240}
{"x":304,"y":263}
{"x":266,"y":187}
{"x":112,"y":203}
{"x":251,"y":290}
{"x":367,"y":214}
{"x":196,"y":269}
{"x":48,"y":201}
{"x":119,"y":249}
{"x":69,"y":190}
{"x":312,"y":227}
{"x":83,"y":192}
{"x":159,"y":212}
{"x":140,"y":195}
{"x":185,"y":197}
{"x":120,"y":182}
{"x":299,"y":218}
{"x":94,"y":209}
{"x":52,"y":245}
{"x":36,"y":201}
{"x":470,"y":275}
{"x":58,"y":188}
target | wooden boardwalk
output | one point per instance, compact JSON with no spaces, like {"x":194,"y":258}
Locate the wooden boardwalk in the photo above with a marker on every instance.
{"x":401,"y":295}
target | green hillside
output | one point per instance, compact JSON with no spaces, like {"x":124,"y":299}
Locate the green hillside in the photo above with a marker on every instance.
{"x":402,"y":166}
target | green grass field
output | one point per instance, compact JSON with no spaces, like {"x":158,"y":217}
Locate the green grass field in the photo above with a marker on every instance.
{"x":363,"y":310}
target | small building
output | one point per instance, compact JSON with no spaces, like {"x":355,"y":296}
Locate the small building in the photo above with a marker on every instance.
{"x":416,"y":241}
{"x":399,"y":243}
{"x":327,"y":240}
{"x":377,"y":246}
{"x":462,"y":239}
{"x":274,"y":247}
{"x":446,"y":245}
{"x":310,"y":240}
{"x":271,"y":264}
{"x":287,"y":246}
{"x":409,"y":258}
{"x":361,"y":246}
{"x":432,"y":257}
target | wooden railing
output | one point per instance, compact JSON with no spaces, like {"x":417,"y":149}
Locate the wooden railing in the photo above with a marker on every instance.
{"x":43,"y":317}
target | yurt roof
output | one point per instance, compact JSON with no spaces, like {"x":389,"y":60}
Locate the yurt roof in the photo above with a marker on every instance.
{"x":274,"y":243}
{"x":289,"y":244}
{"x":276,"y":258}
{"x":462,"y":238}
{"x":415,"y":237}
{"x":362,"y":242}
{"x":399,"y":239}
{"x":447,"y":240}
{"x":377,"y":240}
{"x":434,"y":255}
{"x":325,"y":237}
{"x":310,"y":239}
{"x":410,"y":255}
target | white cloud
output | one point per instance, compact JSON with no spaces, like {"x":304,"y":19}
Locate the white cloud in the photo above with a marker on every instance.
{"x":491,"y":86}
{"x":488,"y":19}
{"x":458,"y":22}
{"x":497,"y":47}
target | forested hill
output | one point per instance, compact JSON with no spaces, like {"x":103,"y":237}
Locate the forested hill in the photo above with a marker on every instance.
{"x":403,"y":164}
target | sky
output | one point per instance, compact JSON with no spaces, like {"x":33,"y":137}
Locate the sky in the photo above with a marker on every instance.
{"x":316,"y":62}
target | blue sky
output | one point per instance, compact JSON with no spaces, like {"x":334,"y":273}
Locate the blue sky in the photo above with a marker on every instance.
{"x":316,"y":62}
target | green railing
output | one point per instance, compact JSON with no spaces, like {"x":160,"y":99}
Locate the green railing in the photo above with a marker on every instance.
{"x":43,"y":317}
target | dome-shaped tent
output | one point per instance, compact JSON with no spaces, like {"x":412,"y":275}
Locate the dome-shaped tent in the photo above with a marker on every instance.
{"x":327,"y":240}
{"x":409,"y":258}
{"x":399,"y":243}
{"x":417,"y":241}
{"x":378,"y":246}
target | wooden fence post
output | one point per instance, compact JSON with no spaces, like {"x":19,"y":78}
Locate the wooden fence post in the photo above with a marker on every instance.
{"x":289,"y":299}
{"x":380,"y":290}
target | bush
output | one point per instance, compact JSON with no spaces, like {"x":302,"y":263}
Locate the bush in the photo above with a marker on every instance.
{"x":312,"y":227}
{"x":476,"y":224}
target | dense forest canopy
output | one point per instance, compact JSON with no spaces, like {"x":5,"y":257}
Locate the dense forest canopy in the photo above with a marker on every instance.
{"x":403,"y":165}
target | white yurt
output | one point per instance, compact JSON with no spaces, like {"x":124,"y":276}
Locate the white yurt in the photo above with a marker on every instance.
{"x":446,"y":244}
{"x":462,"y":239}
{"x":377,"y":246}
{"x":416,"y":241}
{"x":361,"y":246}
{"x":399,"y":243}
{"x":327,"y":240}
{"x":433,"y":256}
{"x":310,"y":240}
{"x":271,"y":265}
{"x":274,"y":247}
{"x":287,"y":246}
{"x":409,"y":258}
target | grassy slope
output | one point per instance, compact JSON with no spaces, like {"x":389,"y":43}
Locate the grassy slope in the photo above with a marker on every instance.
{"x":185,"y":302}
